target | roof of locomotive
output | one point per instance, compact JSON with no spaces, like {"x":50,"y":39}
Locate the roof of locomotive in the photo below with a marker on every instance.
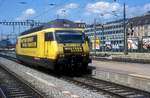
{"x":58,"y":23}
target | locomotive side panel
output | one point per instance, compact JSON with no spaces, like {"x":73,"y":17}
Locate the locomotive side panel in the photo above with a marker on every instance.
{"x":30,"y":48}
{"x":31,"y":45}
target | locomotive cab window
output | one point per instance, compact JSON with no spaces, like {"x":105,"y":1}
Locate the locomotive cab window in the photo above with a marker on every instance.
{"x":69,"y":36}
{"x":49,"y":36}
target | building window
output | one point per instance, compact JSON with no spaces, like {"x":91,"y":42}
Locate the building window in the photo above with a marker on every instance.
{"x":145,"y":27}
{"x":146,"y":34}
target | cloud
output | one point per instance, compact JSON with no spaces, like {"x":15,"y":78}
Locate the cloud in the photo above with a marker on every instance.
{"x":147,"y":7}
{"x":26,"y":14}
{"x":87,"y":13}
{"x":71,"y":6}
{"x":66,"y":9}
{"x":104,"y":8}
{"x":62,"y":12}
{"x":29,"y":12}
{"x":138,"y":10}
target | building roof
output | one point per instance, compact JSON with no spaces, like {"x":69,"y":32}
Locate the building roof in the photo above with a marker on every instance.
{"x":116,"y":21}
{"x":135,"y":21}
{"x":140,"y":20}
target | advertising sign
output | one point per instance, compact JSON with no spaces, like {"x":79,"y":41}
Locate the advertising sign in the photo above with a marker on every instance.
{"x":133,"y":43}
{"x":116,"y":46}
{"x":97,"y":44}
{"x":108,"y":45}
{"x":146,"y":43}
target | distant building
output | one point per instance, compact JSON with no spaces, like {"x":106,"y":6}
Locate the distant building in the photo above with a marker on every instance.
{"x":81,"y":24}
{"x":139,"y":26}
{"x":110,"y":35}
{"x":5,"y":43}
{"x":113,"y":35}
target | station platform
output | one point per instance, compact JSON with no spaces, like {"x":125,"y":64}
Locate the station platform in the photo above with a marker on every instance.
{"x":143,"y":58}
{"x":123,"y":67}
{"x":134,"y":75}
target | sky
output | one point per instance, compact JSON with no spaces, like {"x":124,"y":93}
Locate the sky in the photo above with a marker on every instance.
{"x":75,"y":10}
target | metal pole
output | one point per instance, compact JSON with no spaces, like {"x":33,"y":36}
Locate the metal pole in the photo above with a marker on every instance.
{"x":1,"y":35}
{"x":13,"y":28}
{"x":57,"y":17}
{"x":14,"y":33}
{"x":124,"y":29}
{"x":95,"y":36}
{"x":31,"y":24}
{"x":103,"y":48}
{"x":7,"y":39}
{"x":19,"y":29}
{"x":102,"y":29}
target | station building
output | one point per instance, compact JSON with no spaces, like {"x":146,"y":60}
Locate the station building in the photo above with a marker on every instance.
{"x":111,"y":34}
{"x":139,"y":26}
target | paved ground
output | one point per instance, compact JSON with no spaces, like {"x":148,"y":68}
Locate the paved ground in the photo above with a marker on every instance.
{"x":129,"y":74}
{"x":122,"y":67}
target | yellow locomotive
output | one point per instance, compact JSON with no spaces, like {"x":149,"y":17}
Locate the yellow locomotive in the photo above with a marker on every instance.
{"x":58,"y":45}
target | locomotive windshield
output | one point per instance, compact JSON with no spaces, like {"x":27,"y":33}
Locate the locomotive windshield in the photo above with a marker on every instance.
{"x":69,"y":37}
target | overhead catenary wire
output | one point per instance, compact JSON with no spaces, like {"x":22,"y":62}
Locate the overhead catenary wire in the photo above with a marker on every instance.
{"x":56,"y":7}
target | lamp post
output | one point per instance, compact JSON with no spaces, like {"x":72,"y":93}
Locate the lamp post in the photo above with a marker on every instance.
{"x":1,"y":34}
{"x":124,"y":29}
{"x":102,"y":26}
{"x":103,"y":48}
{"x":94,"y":27}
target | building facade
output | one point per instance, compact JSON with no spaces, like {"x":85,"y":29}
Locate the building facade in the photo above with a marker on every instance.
{"x":139,"y":33}
{"x":139,"y":26}
{"x":111,"y":34}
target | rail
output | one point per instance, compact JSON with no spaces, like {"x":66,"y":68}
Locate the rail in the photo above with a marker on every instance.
{"x":13,"y":86}
{"x":108,"y":88}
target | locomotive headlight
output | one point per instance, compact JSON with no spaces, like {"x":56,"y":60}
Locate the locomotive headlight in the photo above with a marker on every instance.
{"x":66,"y":48}
{"x":83,"y":54}
{"x":61,"y":55}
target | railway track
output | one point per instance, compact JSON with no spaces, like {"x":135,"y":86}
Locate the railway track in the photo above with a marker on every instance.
{"x":13,"y":86}
{"x":108,"y":88}
{"x":100,"y":86}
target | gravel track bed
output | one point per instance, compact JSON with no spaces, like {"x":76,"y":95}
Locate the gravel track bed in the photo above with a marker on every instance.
{"x":12,"y":87}
{"x":51,"y":86}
